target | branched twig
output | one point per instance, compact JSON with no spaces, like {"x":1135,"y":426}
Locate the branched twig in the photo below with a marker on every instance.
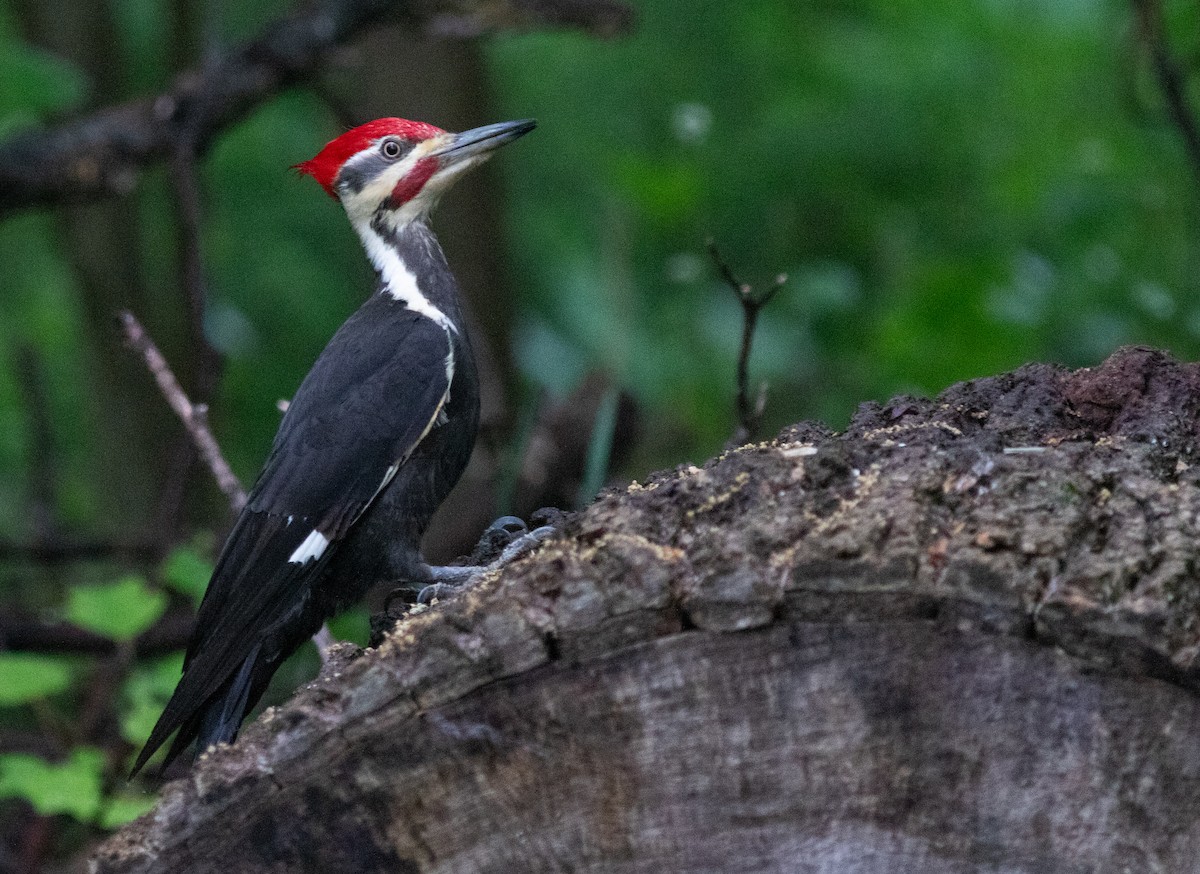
{"x":101,"y":155}
{"x":749,"y":414}
{"x":193,"y":416}
{"x":1171,"y":78}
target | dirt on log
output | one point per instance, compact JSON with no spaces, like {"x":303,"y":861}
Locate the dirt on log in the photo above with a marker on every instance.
{"x":959,"y":637}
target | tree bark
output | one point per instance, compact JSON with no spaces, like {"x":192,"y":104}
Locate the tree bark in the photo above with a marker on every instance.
{"x":961,"y":636}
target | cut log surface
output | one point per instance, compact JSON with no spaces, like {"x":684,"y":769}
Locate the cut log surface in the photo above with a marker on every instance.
{"x":959,"y":637}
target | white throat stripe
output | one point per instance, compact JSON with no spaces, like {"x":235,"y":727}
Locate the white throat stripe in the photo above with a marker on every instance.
{"x":398,"y":280}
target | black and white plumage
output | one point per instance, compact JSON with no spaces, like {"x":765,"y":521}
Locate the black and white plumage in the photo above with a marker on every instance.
{"x":373,"y":440}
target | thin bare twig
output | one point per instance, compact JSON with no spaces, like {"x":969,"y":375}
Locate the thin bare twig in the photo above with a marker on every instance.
{"x":1171,"y":78}
{"x":193,"y":416}
{"x":749,"y":413}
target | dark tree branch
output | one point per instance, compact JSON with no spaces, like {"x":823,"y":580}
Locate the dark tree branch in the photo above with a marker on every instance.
{"x":185,"y":187}
{"x":28,"y":634}
{"x":186,"y":196}
{"x":42,"y":504}
{"x":347,"y":117}
{"x":172,"y":494}
{"x":193,"y":416}
{"x":1171,"y":79}
{"x":749,"y":413}
{"x":35,"y":843}
{"x":52,"y":552}
{"x":101,"y":155}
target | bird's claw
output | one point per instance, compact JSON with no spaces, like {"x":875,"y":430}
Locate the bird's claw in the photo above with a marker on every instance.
{"x":514,"y":539}
{"x":496,"y":538}
{"x":523,"y":544}
{"x":436,"y":592}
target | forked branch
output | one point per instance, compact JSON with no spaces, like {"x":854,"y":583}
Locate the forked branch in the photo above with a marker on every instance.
{"x":749,"y":412}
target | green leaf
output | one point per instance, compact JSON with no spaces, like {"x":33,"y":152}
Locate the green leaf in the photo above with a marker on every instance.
{"x":352,"y":626}
{"x":24,"y":677}
{"x":187,"y":571}
{"x":120,"y":610}
{"x":72,"y":787}
{"x":145,"y":694}
{"x":124,"y":808}
{"x":34,"y":82}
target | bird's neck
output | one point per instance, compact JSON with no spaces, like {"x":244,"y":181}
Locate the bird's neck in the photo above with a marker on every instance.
{"x":412,"y":269}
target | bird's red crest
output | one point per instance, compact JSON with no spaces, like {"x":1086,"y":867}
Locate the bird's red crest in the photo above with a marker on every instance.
{"x":328,"y":162}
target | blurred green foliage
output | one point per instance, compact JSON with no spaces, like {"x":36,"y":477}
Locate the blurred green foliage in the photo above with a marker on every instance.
{"x":71,"y":787}
{"x":120,"y":610}
{"x":953,"y":187}
{"x":144,"y":695}
{"x":187,"y":572}
{"x":29,"y":677}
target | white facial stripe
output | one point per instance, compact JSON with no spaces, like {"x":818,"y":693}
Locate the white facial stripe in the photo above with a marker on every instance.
{"x":398,"y":280}
{"x":362,"y":204}
{"x":311,"y":548}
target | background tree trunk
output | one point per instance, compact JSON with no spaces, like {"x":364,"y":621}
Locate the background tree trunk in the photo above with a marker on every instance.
{"x":959,"y":637}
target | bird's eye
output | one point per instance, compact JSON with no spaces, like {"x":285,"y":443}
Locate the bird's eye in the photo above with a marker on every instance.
{"x":390,"y":149}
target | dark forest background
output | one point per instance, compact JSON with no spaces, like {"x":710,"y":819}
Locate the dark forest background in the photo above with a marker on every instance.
{"x":951,"y":187}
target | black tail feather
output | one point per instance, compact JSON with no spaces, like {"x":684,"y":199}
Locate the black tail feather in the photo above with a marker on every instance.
{"x":216,"y":721}
{"x":256,"y":610}
{"x":219,"y":723}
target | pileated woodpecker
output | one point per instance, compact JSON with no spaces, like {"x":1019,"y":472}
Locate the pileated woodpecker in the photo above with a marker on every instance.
{"x":372,"y":442}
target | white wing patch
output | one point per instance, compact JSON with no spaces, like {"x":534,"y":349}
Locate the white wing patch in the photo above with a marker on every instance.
{"x":310,"y":549}
{"x":398,"y":280}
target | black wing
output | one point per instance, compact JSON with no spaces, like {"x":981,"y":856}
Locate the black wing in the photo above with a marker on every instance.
{"x":370,"y":398}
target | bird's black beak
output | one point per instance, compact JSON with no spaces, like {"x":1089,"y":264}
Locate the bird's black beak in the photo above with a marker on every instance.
{"x":481,"y":140}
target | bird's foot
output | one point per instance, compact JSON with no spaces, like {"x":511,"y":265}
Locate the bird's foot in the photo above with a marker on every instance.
{"x":504,"y":541}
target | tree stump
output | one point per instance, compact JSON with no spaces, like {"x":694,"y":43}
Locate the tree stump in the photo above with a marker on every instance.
{"x":959,"y":637}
